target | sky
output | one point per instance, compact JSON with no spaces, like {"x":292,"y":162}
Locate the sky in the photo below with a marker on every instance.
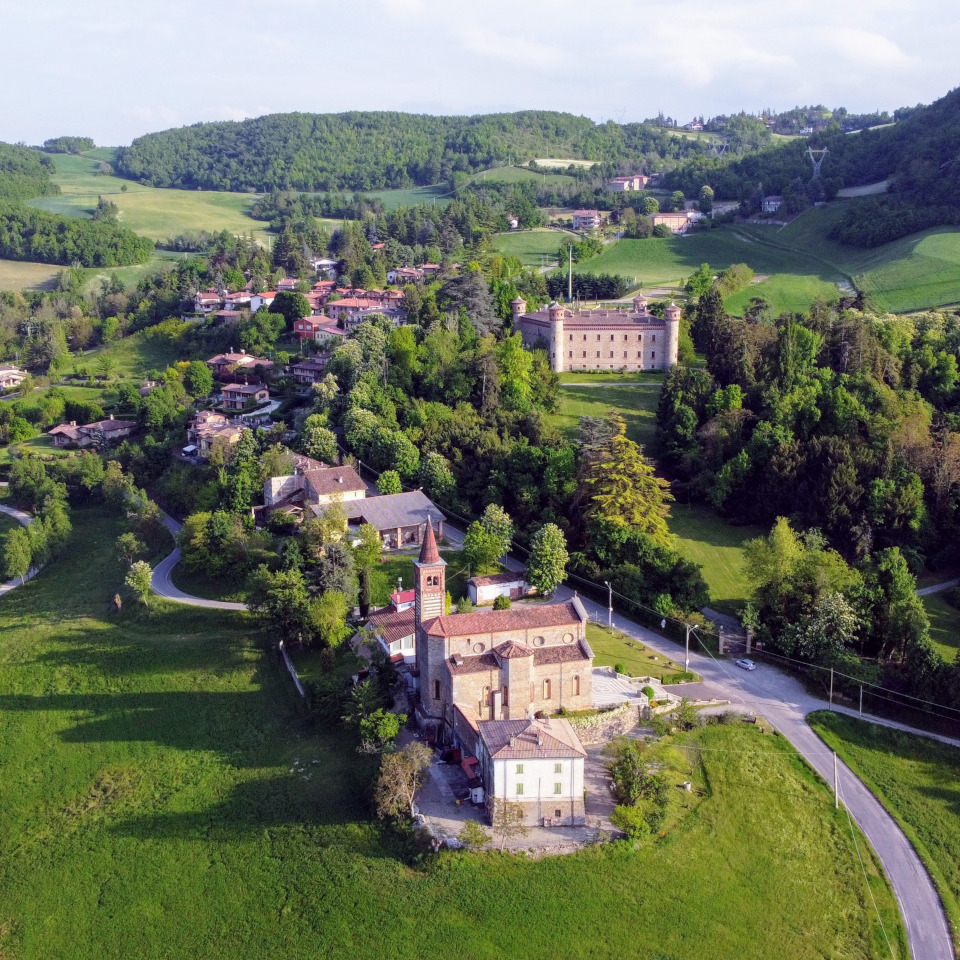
{"x":115,"y":69}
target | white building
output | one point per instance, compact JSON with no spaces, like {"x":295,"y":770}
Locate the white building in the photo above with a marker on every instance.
{"x":537,"y":764}
{"x":486,"y":589}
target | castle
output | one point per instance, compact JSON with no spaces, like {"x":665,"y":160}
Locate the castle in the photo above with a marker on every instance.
{"x":485,"y":676}
{"x":601,"y":339}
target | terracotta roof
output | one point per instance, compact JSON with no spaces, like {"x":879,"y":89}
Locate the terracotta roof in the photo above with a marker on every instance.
{"x":244,"y":389}
{"x":503,"y":621}
{"x":479,"y":664}
{"x":110,"y":425}
{"x":561,"y":653}
{"x":244,"y":359}
{"x":393,"y":625}
{"x":404,"y":596}
{"x":303,"y":464}
{"x":429,"y":552}
{"x":496,"y":578}
{"x":513,"y":650}
{"x":530,"y":739}
{"x":332,"y":480}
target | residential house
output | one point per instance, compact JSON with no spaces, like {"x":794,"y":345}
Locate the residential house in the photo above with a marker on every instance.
{"x":634,"y":182}
{"x":263,"y":299}
{"x":11,"y":377}
{"x":325,"y":266}
{"x":240,"y":396}
{"x":402,"y":275}
{"x":231,"y":365}
{"x":223,"y":317}
{"x":287,"y":285}
{"x":430,"y":270}
{"x":513,"y":222}
{"x":237,"y":301}
{"x":586,"y":219}
{"x":486,"y":589}
{"x":394,"y":628}
{"x":208,"y":427}
{"x":401,"y":519}
{"x":109,"y":430}
{"x":313,"y":485}
{"x":677,"y":222}
{"x":772,"y":204}
{"x":309,"y":371}
{"x":537,"y":764}
{"x":317,"y":328}
{"x":351,"y":310}
{"x":207,"y":301}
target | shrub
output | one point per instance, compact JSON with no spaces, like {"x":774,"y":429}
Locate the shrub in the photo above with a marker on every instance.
{"x":501,"y":603}
{"x":648,"y":693}
{"x":620,"y":668}
{"x":465,"y":605}
{"x":631,"y":821}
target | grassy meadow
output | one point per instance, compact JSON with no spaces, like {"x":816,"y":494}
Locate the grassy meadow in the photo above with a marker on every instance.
{"x":918,"y":781}
{"x":151,"y":211}
{"x":163,"y":796}
{"x":533,"y":248}
{"x":717,"y":546}
{"x":944,"y":625}
{"x":613,"y":647}
{"x":597,"y":396}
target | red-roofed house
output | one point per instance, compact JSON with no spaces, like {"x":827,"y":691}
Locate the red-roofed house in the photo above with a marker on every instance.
{"x":486,"y":589}
{"x":229,"y":365}
{"x":206,"y":301}
{"x":319,"y":329}
{"x":263,"y":299}
{"x":586,"y":219}
{"x":238,"y":396}
{"x":401,"y":275}
{"x":350,"y":309}
{"x":110,"y":430}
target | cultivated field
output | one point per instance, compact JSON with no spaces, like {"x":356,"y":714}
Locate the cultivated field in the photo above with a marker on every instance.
{"x":636,"y":402}
{"x":22,"y":275}
{"x":918,"y":781}
{"x":717,"y":546}
{"x":563,"y":164}
{"x":153,"y":212}
{"x":163,"y":796}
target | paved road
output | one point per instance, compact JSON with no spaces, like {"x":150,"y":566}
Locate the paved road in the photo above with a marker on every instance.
{"x":163,"y":585}
{"x":937,"y":587}
{"x":783,"y":701}
{"x":24,"y":518}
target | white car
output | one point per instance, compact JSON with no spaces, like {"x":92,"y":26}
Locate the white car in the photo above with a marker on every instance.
{"x":746,"y":663}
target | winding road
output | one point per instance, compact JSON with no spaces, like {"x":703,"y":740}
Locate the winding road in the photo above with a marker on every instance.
{"x":783,"y":702}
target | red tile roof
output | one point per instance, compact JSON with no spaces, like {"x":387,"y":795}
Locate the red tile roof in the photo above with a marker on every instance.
{"x":513,"y":650}
{"x":393,"y":625}
{"x":503,"y":621}
{"x":530,"y":739}
{"x":332,"y":480}
{"x":428,"y":551}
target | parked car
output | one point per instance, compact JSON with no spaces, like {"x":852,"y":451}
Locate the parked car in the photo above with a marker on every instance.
{"x":746,"y":663}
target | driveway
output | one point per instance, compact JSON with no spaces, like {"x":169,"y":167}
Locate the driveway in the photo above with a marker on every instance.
{"x":25,"y":520}
{"x":783,"y":701}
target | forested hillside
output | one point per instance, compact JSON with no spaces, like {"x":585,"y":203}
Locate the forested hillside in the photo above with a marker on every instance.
{"x":367,"y":151}
{"x":25,"y":173}
{"x":920,"y":155}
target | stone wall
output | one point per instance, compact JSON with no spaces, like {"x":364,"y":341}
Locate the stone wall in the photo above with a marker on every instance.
{"x":605,"y":726}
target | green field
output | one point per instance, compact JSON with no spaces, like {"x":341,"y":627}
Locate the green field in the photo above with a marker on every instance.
{"x":918,"y":781}
{"x":944,"y":625}
{"x":637,"y":403}
{"x":612,"y":648}
{"x":164,"y":797}
{"x":717,"y":546}
{"x":133,"y":356}
{"x":153,"y":212}
{"x":534,"y":248}
{"x":411,"y":196}
{"x":523,"y":174}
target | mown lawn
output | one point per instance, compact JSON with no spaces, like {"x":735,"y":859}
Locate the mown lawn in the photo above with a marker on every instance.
{"x":785,"y":292}
{"x":918,"y":781}
{"x":613,"y":647}
{"x":944,"y":624}
{"x":133,"y":356}
{"x":592,"y":397}
{"x":7,"y":523}
{"x":717,"y":546}
{"x":163,"y":797}
{"x":533,"y":248}
{"x":394,"y":567}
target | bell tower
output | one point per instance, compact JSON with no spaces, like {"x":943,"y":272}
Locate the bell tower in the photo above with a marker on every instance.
{"x":430,"y":572}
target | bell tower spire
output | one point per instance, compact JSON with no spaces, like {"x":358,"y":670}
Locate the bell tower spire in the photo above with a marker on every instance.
{"x":430,"y":571}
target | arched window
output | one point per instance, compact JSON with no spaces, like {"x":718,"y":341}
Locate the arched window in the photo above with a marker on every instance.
{"x":546,"y":690}
{"x":576,"y":686}
{"x":436,"y":689}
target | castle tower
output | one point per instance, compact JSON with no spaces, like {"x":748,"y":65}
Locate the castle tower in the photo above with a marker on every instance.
{"x":518,"y":307}
{"x":672,"y":315}
{"x":640,"y":304}
{"x":556,"y":313}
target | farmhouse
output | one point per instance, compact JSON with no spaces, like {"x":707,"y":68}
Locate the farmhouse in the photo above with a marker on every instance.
{"x":10,"y":377}
{"x":586,"y":219}
{"x":401,"y":519}
{"x":628,"y":184}
{"x":601,"y":339}
{"x":238,"y":396}
{"x":676,"y":222}
{"x":537,"y":764}
{"x":314,"y":485}
{"x":486,"y":589}
{"x":109,"y":431}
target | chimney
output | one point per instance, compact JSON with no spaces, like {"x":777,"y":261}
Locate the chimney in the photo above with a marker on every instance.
{"x":513,"y":742}
{"x":539,"y":739}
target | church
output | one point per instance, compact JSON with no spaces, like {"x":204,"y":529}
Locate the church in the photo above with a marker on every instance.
{"x":476,"y":670}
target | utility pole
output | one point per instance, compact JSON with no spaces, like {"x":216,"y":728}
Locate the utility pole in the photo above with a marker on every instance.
{"x":836,"y":783}
{"x":686,"y":656}
{"x":831,"y":688}
{"x":861,"y":699}
{"x":609,"y":604}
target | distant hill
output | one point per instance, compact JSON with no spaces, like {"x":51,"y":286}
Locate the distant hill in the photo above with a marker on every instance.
{"x":25,"y":173}
{"x":375,"y":151}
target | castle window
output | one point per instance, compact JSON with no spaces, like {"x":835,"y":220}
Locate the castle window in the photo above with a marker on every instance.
{"x":558,"y":813}
{"x":546,"y":690}
{"x":584,"y":338}
{"x":576,"y":686}
{"x":486,"y":697}
{"x":625,"y":338}
{"x":639,"y":354}
{"x":598,"y":336}
{"x":654,"y":338}
{"x":598,"y":354}
{"x":611,"y":354}
{"x":653,"y":355}
{"x":624,"y":354}
{"x":571,"y":336}
{"x":505,"y":699}
{"x":584,"y":354}
{"x":611,"y":338}
{"x":436,"y":689}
